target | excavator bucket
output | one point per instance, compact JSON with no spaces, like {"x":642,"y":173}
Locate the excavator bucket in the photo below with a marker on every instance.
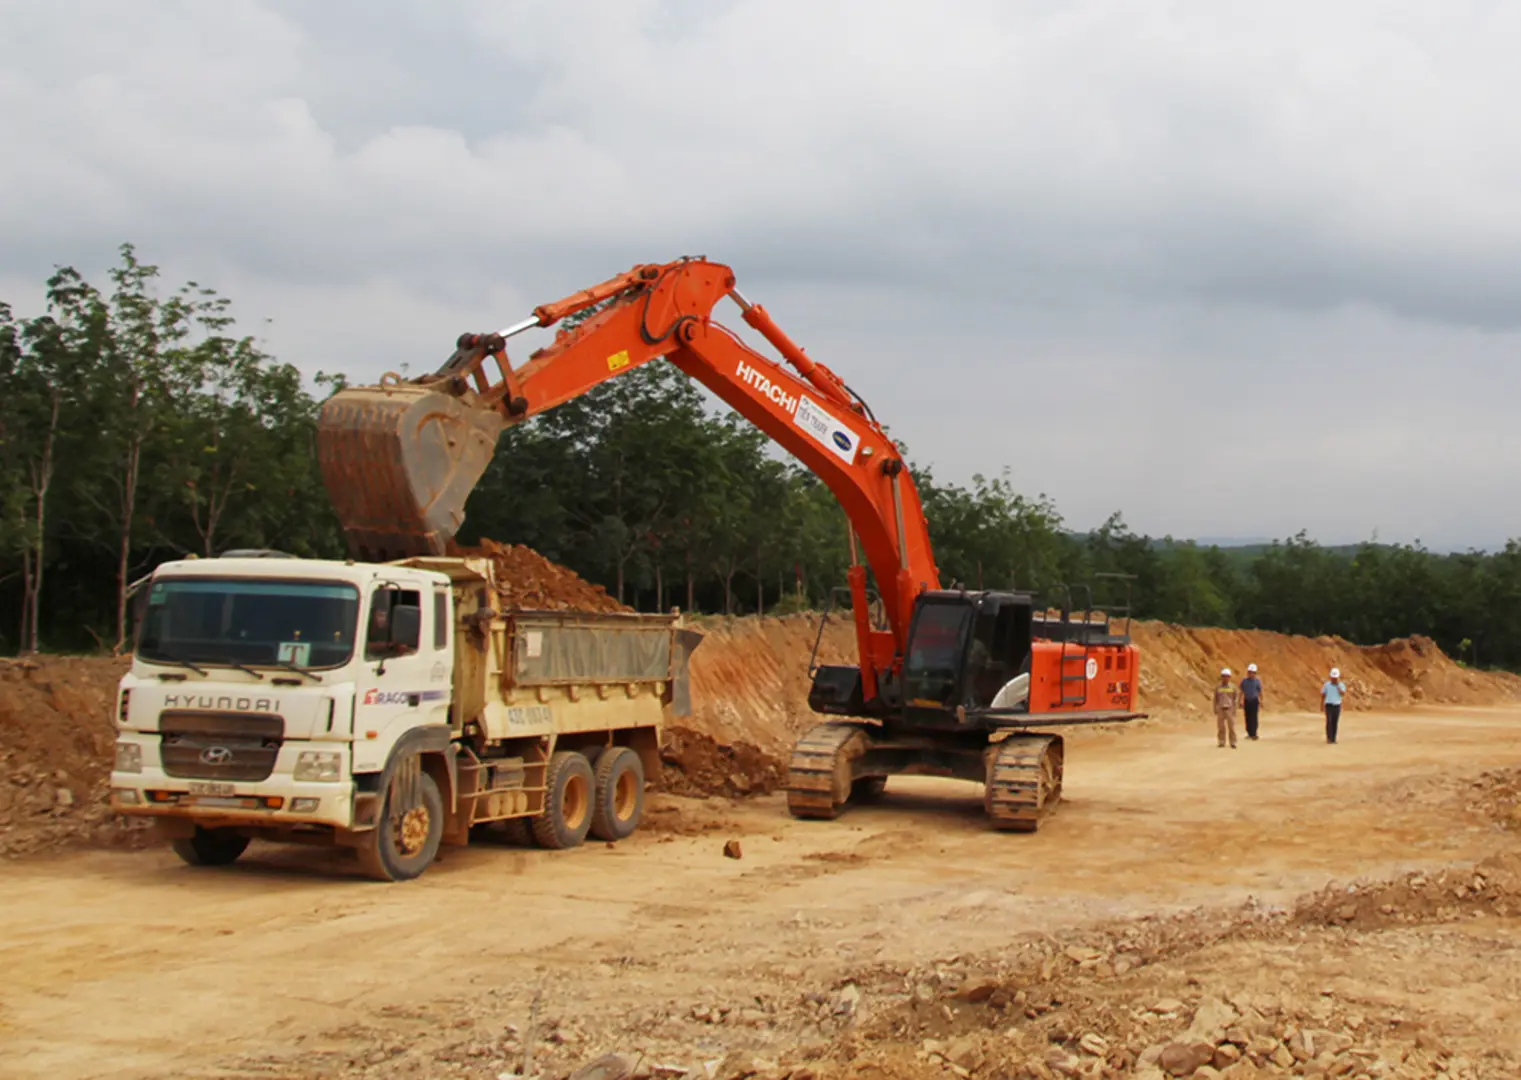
{"x":399,"y":460}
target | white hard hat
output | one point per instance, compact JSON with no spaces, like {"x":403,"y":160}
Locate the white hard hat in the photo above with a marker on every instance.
{"x":1336,"y":673}
{"x":1251,"y":667}
{"x":1225,"y":671}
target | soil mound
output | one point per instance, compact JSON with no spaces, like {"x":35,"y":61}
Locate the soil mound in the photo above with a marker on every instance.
{"x":1180,"y":665}
{"x":527,"y":580}
{"x":57,"y":742}
{"x":696,"y":765}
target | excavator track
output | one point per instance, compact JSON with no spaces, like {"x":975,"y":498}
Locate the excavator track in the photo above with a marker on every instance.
{"x":819,"y":776}
{"x":1024,"y":781}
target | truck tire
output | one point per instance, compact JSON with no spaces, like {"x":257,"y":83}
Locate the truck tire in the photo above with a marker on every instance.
{"x":620,"y":794}
{"x":211,"y":847}
{"x":569,"y":801}
{"x":406,"y":840}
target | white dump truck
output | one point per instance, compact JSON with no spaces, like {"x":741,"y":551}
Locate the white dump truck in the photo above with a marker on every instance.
{"x":385,"y":707}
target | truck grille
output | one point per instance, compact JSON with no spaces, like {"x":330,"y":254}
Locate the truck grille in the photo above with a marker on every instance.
{"x":220,"y":746}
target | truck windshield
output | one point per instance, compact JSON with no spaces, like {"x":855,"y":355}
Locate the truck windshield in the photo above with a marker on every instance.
{"x":252,"y":622}
{"x":930,"y":673}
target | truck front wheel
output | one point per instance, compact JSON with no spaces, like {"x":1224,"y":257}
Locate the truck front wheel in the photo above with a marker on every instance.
{"x":411,"y":827}
{"x":620,"y":794}
{"x":569,"y":801}
{"x":211,"y":847}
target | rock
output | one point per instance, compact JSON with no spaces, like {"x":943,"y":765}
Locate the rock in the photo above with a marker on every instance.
{"x":1149,"y":1072}
{"x":1079,"y":955}
{"x":1346,"y":913}
{"x":1262,"y":1046}
{"x":607,"y":1067}
{"x":1334,"y":1044}
{"x":732,"y":850}
{"x":1150,"y":1056}
{"x":1206,"y":1072}
{"x":1226,"y":1055}
{"x":847,"y":1000}
{"x":965,"y":1052}
{"x":738,"y":1065}
{"x":1184,"y":1059}
{"x":1211,"y":1019}
{"x":1167,"y":1005}
{"x":1095,"y":1044}
{"x":64,"y":798}
{"x":1282,"y":1058}
{"x":979,"y":993}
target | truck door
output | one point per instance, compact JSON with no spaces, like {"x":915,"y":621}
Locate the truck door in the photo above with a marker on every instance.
{"x":397,"y":690}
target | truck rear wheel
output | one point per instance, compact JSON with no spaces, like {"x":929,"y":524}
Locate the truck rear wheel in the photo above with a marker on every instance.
{"x":620,"y":794}
{"x":569,"y":801}
{"x":211,"y":847}
{"x":411,"y":827}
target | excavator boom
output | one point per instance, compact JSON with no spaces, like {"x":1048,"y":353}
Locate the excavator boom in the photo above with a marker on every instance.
{"x":401,"y":458}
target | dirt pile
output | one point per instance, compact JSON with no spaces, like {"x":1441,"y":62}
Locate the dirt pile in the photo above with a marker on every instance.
{"x":57,"y":742}
{"x":1180,"y":665}
{"x":527,"y":580}
{"x":695,"y":764}
{"x":1491,"y":887}
{"x":1169,"y":996}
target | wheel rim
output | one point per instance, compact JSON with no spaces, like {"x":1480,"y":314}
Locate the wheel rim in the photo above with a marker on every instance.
{"x":574,"y":802}
{"x":412,"y":830}
{"x":625,"y":795}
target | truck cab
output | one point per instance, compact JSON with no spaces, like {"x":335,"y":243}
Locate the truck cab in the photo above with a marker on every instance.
{"x":264,"y":690}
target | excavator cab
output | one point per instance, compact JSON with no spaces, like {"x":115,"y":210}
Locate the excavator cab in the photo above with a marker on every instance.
{"x":964,"y":650}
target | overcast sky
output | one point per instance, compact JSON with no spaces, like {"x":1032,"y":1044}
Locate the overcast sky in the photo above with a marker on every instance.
{"x":1234,"y":269}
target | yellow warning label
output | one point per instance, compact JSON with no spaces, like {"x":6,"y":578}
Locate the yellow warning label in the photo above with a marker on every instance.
{"x":618,"y":360}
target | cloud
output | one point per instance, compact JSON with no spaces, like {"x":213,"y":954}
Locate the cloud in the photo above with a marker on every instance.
{"x":1232,"y":271}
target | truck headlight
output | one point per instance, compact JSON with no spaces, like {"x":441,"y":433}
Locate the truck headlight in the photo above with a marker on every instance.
{"x":319,"y":765}
{"x":129,"y":757}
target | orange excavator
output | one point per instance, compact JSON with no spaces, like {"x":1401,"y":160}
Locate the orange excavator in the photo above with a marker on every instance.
{"x":949,"y":682}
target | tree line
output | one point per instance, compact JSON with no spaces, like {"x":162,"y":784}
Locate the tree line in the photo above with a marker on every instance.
{"x":138,"y":424}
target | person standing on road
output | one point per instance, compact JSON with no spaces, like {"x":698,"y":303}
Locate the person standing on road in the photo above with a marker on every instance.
{"x":1330,"y":700}
{"x":1225,"y":709}
{"x":1251,"y":700}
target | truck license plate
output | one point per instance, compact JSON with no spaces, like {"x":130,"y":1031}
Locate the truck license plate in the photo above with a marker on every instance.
{"x":209,"y":788}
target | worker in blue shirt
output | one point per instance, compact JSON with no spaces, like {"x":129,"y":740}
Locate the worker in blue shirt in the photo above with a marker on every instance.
{"x":1251,"y":699}
{"x":1330,"y":700}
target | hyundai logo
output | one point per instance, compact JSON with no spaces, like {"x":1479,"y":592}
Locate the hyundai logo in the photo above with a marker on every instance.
{"x":216,"y":755}
{"x":841,"y":440}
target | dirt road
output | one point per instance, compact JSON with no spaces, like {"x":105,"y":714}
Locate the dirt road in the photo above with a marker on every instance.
{"x":132,"y":965}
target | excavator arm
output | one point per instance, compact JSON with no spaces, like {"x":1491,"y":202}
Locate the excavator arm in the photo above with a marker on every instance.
{"x":401,"y":458}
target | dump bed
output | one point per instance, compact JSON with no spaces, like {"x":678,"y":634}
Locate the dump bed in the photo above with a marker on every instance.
{"x":524,"y":673}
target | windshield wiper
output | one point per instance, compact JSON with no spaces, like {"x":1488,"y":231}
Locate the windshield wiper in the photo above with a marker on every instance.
{"x":177,"y":662}
{"x":288,"y":666}
{"x":235,"y":664}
